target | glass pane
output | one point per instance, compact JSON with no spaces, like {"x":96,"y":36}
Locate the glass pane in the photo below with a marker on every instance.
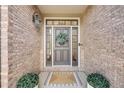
{"x":68,"y":22}
{"x":49,"y":22}
{"x":48,"y":38}
{"x":49,"y":31}
{"x":74,"y":22}
{"x":74,"y":39}
{"x":49,"y":58}
{"x":56,"y":22}
{"x":75,"y":31}
{"x":61,"y":22}
{"x":48,"y":46}
{"x":75,"y":46}
{"x":75,"y":57}
{"x":61,"y":37}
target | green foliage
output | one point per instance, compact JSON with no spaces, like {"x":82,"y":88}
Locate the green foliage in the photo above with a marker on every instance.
{"x":62,"y":38}
{"x":29,"y":80}
{"x":98,"y":81}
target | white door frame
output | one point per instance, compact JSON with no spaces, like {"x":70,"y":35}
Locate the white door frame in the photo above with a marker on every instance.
{"x":77,"y":18}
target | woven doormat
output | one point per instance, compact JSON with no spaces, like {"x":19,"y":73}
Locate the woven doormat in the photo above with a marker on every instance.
{"x":62,"y":78}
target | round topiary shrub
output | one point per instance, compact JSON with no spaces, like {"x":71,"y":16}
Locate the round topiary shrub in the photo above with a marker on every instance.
{"x":29,"y":80}
{"x":98,"y":81}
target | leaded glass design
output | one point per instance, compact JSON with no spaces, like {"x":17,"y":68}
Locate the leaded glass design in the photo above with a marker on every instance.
{"x":75,"y":46}
{"x":61,"y":37}
{"x":62,"y":22}
{"x":48,"y":46}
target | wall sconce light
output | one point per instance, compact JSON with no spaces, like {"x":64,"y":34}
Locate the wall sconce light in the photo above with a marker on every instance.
{"x":37,"y":20}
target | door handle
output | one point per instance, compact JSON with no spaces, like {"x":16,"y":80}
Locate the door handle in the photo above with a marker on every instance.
{"x":79,"y":44}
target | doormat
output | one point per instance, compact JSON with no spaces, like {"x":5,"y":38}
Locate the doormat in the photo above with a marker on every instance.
{"x":62,"y":79}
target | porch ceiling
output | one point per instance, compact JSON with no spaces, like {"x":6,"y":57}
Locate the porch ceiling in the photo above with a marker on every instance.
{"x":62,"y":9}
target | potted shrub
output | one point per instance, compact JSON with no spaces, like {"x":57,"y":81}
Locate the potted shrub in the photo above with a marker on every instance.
{"x":30,"y":80}
{"x":96,"y":80}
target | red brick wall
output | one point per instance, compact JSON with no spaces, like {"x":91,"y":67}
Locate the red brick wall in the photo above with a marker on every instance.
{"x":103,"y":40}
{"x":23,"y":43}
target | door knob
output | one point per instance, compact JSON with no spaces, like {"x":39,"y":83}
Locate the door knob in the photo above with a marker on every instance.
{"x":79,"y":44}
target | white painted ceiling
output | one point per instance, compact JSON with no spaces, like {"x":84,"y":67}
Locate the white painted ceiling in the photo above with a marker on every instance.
{"x":62,"y":9}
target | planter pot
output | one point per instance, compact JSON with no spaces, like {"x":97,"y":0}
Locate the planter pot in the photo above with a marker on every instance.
{"x":89,"y":86}
{"x":36,"y":86}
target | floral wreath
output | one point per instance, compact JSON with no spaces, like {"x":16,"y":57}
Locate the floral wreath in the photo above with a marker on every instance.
{"x":62,"y":38}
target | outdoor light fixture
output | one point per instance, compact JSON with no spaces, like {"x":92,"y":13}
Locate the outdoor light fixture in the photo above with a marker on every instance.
{"x":37,"y":20}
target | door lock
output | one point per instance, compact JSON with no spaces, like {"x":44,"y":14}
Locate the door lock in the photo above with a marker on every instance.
{"x":79,"y":44}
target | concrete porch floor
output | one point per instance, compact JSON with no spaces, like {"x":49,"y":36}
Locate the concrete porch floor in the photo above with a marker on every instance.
{"x":62,"y":80}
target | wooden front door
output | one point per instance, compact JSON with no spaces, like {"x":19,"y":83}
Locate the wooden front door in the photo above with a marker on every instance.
{"x":61,"y":46}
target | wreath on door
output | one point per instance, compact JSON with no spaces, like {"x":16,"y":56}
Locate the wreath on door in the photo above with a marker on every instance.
{"x":62,"y":38}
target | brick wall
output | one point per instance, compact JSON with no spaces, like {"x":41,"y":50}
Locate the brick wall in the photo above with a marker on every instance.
{"x":103,"y":42}
{"x":4,"y":46}
{"x":23,"y":43}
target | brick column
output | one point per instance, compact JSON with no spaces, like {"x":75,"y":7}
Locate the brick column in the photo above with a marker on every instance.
{"x":4,"y":46}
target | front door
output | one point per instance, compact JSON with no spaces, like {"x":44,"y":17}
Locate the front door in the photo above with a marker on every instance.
{"x":61,"y":42}
{"x":61,"y":46}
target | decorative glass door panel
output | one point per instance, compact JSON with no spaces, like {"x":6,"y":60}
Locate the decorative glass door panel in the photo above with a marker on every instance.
{"x":61,"y":46}
{"x":48,"y":46}
{"x":74,"y":46}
